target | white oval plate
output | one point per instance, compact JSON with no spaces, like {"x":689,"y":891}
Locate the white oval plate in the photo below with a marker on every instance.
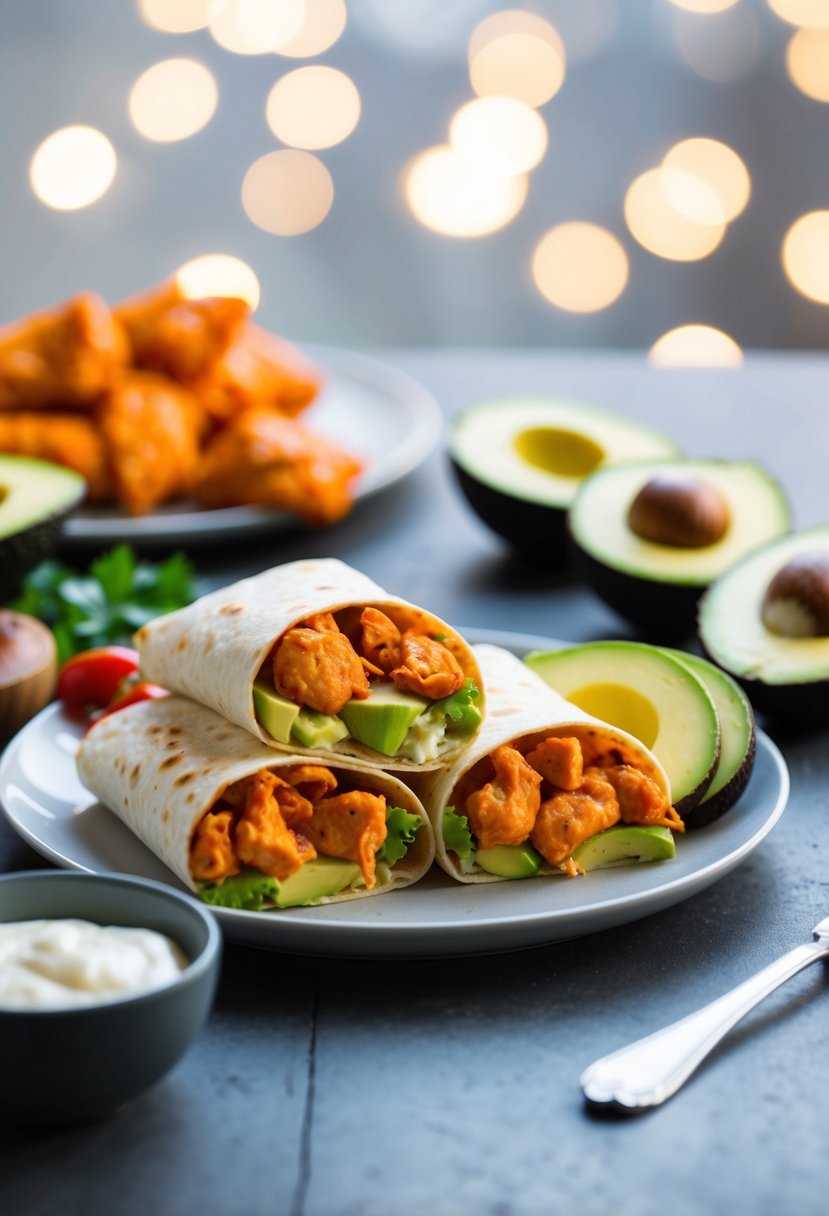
{"x":46,"y":804}
{"x":385,"y":417}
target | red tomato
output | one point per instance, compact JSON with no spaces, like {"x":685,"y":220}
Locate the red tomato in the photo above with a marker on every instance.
{"x":90,"y":680}
{"x":131,"y":694}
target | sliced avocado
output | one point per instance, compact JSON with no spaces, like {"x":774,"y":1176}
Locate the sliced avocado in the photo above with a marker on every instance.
{"x":520,"y":460}
{"x":318,"y":730}
{"x":315,"y":880}
{"x":737,"y":740}
{"x":274,"y":714}
{"x":784,"y":674}
{"x":35,"y":498}
{"x":652,"y":582}
{"x":644,"y":691}
{"x":383,"y":719}
{"x":510,"y":860}
{"x":629,"y":842}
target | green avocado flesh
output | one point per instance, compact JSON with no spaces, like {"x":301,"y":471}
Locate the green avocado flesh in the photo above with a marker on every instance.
{"x":35,"y":496}
{"x":510,"y":860}
{"x":618,"y":845}
{"x":318,"y":730}
{"x":731,"y":626}
{"x":538,"y":449}
{"x":757,"y":509}
{"x":316,"y":879}
{"x":383,"y":719}
{"x":736,"y":720}
{"x":644,"y":691}
{"x":274,"y":714}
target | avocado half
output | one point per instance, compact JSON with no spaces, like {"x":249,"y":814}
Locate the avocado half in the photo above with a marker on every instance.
{"x":738,"y":740}
{"x":651,"y":695}
{"x":520,"y":460}
{"x":35,"y":498}
{"x":786,"y":677}
{"x":656,"y":585}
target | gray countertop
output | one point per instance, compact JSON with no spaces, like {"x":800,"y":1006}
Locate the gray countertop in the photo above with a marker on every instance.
{"x":323,"y":1088}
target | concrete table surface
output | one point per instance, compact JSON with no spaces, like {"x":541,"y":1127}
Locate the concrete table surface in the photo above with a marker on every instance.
{"x":450,"y":1087}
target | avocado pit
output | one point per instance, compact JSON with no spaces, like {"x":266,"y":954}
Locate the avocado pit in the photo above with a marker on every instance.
{"x":796,"y":602}
{"x":679,"y":509}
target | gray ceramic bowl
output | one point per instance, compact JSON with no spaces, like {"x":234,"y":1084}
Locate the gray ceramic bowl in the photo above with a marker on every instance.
{"x":76,"y":1065}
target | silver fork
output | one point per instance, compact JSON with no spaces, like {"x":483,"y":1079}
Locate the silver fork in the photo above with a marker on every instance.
{"x":650,"y":1070}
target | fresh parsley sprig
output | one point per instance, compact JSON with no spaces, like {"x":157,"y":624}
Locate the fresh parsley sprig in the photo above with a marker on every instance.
{"x":118,"y":595}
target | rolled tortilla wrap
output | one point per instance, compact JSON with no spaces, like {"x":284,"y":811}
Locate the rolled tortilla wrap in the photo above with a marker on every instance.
{"x":214,"y":649}
{"x":162,"y":765}
{"x":522,"y":711}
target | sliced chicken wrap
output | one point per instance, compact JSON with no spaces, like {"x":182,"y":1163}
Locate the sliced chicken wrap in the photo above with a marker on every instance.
{"x":313,"y":657}
{"x":245,"y":826}
{"x":545,"y":788}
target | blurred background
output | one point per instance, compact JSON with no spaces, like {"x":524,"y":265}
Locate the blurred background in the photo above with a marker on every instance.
{"x":575,"y":173}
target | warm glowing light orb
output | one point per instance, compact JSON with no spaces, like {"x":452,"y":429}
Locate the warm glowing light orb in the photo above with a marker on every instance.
{"x":257,"y":27}
{"x":287,"y":192}
{"x":72,"y":168}
{"x":173,"y":99}
{"x":695,"y":346}
{"x":322,"y":23}
{"x":807,"y":62}
{"x":704,"y":6}
{"x":517,"y":54}
{"x":812,"y":13}
{"x":218,"y":274}
{"x":719,"y":167}
{"x":313,"y":107}
{"x":659,"y":227}
{"x":580,"y":267}
{"x":179,"y":16}
{"x":445,"y":193}
{"x":806,"y":255}
{"x":499,"y":136}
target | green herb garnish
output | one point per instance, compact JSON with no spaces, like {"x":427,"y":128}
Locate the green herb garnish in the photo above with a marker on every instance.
{"x":118,"y":595}
{"x":456,"y":833}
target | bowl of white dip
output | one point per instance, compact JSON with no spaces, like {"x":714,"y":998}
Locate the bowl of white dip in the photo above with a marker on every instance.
{"x":105,"y":980}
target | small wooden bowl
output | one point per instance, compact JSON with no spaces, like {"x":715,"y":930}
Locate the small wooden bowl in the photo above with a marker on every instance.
{"x":28,"y":670}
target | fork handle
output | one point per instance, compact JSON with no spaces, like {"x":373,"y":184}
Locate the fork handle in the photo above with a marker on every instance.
{"x":650,"y":1070}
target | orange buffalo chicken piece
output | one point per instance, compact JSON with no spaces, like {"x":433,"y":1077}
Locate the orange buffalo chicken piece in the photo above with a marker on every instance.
{"x":505,"y":809}
{"x":68,"y":439}
{"x":380,"y":640}
{"x":150,"y":428}
{"x":183,"y":338}
{"x":61,"y":359}
{"x":559,"y":761}
{"x":320,"y":670}
{"x":570,"y":816}
{"x":351,"y":825}
{"x":640,"y":799}
{"x":262,"y":458}
{"x":263,"y":839}
{"x":212,"y":855}
{"x":426,"y":667}
{"x":259,"y":370}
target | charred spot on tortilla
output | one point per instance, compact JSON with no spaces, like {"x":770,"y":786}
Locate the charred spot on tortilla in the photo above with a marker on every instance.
{"x":181,"y":644}
{"x":231,"y":609}
{"x":171,"y":760}
{"x":183,"y":778}
{"x":134,"y":775}
{"x":165,"y":816}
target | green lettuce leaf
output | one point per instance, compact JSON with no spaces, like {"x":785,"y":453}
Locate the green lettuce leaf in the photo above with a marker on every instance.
{"x":462,"y":717}
{"x":456,"y":833}
{"x":400,"y":833}
{"x":247,"y":890}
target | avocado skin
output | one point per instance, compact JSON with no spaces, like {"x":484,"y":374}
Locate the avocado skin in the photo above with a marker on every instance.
{"x":704,"y":813}
{"x":537,"y":531}
{"x":22,"y":551}
{"x":668,"y":611}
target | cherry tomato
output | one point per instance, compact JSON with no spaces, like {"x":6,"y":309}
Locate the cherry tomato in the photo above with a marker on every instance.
{"x":141,"y":690}
{"x":91,"y":679}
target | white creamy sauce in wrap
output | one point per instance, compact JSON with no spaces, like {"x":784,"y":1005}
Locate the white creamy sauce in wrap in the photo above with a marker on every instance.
{"x":61,"y":964}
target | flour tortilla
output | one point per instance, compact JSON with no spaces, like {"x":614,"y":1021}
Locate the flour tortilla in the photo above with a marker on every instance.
{"x":523,"y":710}
{"x":213,"y":650}
{"x":161,"y":765}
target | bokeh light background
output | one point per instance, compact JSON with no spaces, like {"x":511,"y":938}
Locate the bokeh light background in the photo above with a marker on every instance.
{"x":568,"y":173}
